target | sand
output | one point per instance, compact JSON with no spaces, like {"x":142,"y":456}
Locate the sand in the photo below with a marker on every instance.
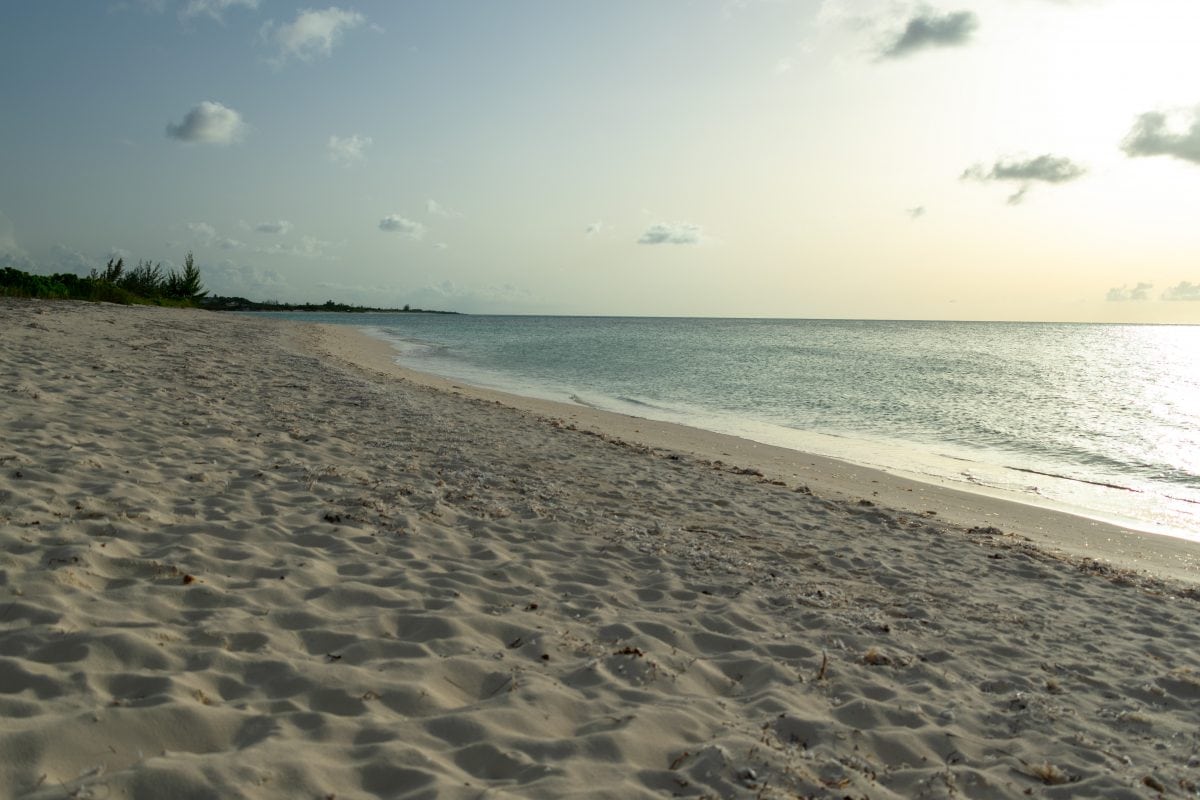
{"x":244,"y":558}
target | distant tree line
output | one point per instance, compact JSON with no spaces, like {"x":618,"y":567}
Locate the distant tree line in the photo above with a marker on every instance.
{"x":147,"y":283}
{"x":218,"y":303}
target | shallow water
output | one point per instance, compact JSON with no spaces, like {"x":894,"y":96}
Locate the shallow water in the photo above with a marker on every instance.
{"x":1102,"y":420}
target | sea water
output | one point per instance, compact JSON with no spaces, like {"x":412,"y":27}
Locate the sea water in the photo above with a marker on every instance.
{"x":1100,"y":420}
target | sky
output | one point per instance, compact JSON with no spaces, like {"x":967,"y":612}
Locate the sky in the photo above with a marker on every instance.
{"x":879,"y":159}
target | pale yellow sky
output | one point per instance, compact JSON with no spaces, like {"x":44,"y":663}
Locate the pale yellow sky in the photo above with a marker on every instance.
{"x":754,"y":158}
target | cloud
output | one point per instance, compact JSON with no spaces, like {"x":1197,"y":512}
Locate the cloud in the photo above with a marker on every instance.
{"x":214,"y":8}
{"x":1151,"y":136}
{"x":439,"y":210}
{"x":394,"y":223}
{"x":594,"y":228}
{"x":8,"y":236}
{"x":280,"y":226}
{"x":1185,"y":290}
{"x":11,"y":253}
{"x":1124,"y":294}
{"x":312,"y":33}
{"x":448,"y":295}
{"x":65,"y":259}
{"x":1044,"y":168}
{"x":230,"y":244}
{"x":308,"y":247}
{"x":202,"y":231}
{"x":927,"y":30}
{"x":208,"y":123}
{"x":348,"y":150}
{"x":915,"y":212}
{"x":673,"y":233}
{"x":230,"y":278}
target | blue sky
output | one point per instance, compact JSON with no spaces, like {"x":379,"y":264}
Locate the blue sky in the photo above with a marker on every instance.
{"x":997,"y":159}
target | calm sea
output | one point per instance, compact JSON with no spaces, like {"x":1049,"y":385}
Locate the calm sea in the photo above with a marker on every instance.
{"x":1102,"y":420}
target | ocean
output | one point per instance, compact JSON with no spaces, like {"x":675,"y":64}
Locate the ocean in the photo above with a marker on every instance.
{"x":1097,"y":420}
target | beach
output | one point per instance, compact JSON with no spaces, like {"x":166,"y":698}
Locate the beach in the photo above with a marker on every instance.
{"x":248,"y":558}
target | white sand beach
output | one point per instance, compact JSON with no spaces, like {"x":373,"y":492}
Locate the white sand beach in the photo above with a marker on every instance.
{"x":242,"y":558}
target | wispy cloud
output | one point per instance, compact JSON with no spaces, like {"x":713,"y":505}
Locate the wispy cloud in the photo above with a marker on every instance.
{"x":214,"y":9}
{"x":308,"y":247}
{"x":1151,"y":135}
{"x":928,"y":29}
{"x":1185,"y":290}
{"x":438,"y":210}
{"x":208,"y":123}
{"x":201,"y":231}
{"x":672,"y":233}
{"x":66,"y":259}
{"x":11,"y":253}
{"x":594,"y":228}
{"x":916,"y":212}
{"x":1124,"y":294}
{"x":348,"y":150}
{"x":394,"y":223}
{"x":1044,"y":168}
{"x":312,"y":33}
{"x":278,"y":226}
{"x":245,"y":280}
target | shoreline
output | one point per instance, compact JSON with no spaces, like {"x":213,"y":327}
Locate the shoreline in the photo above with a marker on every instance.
{"x":234,"y":564}
{"x":1122,"y":498}
{"x":1072,"y":534}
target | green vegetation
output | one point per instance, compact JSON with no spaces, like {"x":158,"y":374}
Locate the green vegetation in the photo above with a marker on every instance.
{"x":145,"y":284}
{"x":149,"y":284}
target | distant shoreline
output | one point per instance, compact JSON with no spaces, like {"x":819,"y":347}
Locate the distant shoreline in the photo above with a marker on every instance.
{"x":328,"y":307}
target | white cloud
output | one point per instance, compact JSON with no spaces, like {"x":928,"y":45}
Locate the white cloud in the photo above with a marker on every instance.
{"x":243,"y":280}
{"x":1151,"y":135}
{"x":308,"y":247}
{"x":214,"y":8}
{"x":348,"y":150}
{"x":201,"y":231}
{"x":65,"y":259}
{"x":8,"y":236}
{"x":312,"y":33}
{"x":279,"y":226}
{"x":673,"y":233}
{"x":230,"y":244}
{"x":1124,"y":294}
{"x":915,"y":212}
{"x":208,"y":123}
{"x":439,"y":210}
{"x":594,"y":228}
{"x":1185,"y":290}
{"x":11,"y":253}
{"x":394,"y":223}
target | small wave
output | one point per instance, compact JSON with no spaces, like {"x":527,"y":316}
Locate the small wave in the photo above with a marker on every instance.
{"x":642,"y":403}
{"x":1077,"y":480}
{"x":577,"y":400}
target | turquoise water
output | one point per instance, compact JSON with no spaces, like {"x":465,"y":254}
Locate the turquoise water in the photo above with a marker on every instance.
{"x":1102,"y":420}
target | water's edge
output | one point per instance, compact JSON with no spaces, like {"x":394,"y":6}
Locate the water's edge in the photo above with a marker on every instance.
{"x":958,"y":470}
